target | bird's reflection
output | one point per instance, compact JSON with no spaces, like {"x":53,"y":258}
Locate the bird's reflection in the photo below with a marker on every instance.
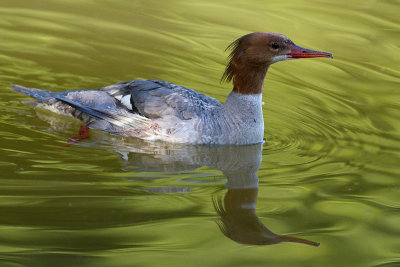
{"x":236,"y":210}
{"x":239,"y":221}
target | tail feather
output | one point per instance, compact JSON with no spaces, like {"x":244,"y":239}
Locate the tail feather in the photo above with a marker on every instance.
{"x":39,"y":94}
{"x":117,"y":120}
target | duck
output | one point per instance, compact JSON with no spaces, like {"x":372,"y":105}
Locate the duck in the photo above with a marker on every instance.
{"x":158,"y":110}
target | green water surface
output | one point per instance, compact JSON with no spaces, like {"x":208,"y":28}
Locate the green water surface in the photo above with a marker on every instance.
{"x":329,"y":171}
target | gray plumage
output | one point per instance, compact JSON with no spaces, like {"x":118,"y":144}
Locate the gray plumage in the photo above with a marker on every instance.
{"x":158,"y":110}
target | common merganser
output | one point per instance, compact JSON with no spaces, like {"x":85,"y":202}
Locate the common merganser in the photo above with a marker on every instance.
{"x":159,"y":110}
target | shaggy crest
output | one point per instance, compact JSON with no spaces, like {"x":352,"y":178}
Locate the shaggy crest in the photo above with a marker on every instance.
{"x":235,"y":48}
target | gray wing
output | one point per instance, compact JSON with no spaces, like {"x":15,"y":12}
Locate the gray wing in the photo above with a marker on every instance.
{"x":128,"y":105}
{"x":156,"y":99}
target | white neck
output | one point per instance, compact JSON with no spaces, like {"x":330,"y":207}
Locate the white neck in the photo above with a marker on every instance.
{"x":244,"y":117}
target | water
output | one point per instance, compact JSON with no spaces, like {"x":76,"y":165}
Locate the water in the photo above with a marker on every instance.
{"x":328,"y":172}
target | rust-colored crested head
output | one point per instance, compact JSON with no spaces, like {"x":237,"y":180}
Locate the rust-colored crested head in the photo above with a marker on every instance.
{"x":258,"y":49}
{"x":252,"y":54}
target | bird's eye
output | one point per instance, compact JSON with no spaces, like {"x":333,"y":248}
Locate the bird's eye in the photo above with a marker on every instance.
{"x":275,"y":45}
